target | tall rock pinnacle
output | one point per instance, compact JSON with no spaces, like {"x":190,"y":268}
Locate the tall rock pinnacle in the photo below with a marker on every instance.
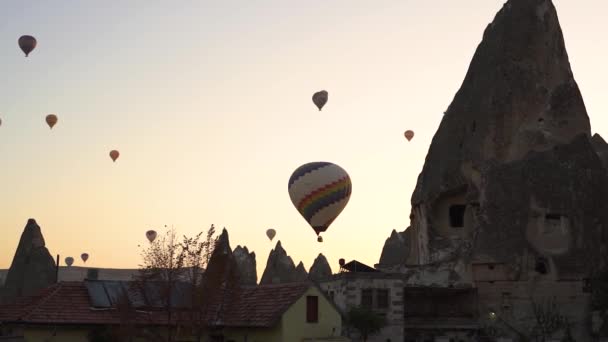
{"x":33,"y":267}
{"x":519,"y":95}
{"x":279,"y":267}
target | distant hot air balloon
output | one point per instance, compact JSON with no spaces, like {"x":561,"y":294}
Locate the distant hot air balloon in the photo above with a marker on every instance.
{"x":320,"y":98}
{"x":51,"y":120}
{"x":151,"y":235}
{"x":341,"y":262}
{"x":27,"y":44}
{"x":271,"y":233}
{"x":69,"y":261}
{"x":319,"y":238}
{"x":84,"y":257}
{"x":114,"y":155}
{"x":409,"y":135}
{"x":319,"y":191}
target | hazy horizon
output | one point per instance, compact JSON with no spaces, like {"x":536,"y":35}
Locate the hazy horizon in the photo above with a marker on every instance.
{"x":210,"y":107}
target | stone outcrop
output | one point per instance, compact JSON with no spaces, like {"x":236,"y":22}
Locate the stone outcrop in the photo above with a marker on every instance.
{"x":320,"y":269}
{"x":246,"y":265}
{"x":33,"y":268}
{"x":396,"y":249}
{"x":513,"y":188}
{"x":279,"y":267}
{"x":601,"y":148}
{"x":519,"y":95}
{"x":301,"y":274}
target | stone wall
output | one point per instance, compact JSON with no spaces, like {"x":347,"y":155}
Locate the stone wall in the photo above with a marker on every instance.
{"x":346,"y":290}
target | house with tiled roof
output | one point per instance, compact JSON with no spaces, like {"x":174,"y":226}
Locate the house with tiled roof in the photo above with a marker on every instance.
{"x":80,"y":311}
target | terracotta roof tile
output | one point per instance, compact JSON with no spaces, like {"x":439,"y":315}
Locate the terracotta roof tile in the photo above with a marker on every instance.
{"x":69,"y":303}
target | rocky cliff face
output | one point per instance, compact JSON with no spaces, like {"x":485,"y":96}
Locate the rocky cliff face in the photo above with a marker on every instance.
{"x":33,"y":267}
{"x":320,"y":269}
{"x":396,"y":249}
{"x":279,"y":267}
{"x":301,"y":274}
{"x":246,"y":265}
{"x":518,"y":113}
{"x":601,"y":148}
{"x":519,"y":95}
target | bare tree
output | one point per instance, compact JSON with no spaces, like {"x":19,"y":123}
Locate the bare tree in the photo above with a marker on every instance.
{"x":168,"y":261}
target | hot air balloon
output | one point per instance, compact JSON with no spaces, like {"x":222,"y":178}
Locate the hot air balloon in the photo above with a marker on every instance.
{"x":320,"y":98}
{"x":84,"y":257}
{"x":319,"y":191}
{"x":51,"y":120}
{"x":271,"y":233}
{"x":27,"y":44}
{"x":69,"y":261}
{"x":114,"y":155}
{"x":151,"y":235}
{"x":341,"y":262}
{"x":319,"y":238}
{"x":409,"y":135}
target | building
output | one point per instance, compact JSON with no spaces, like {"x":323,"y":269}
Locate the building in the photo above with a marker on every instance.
{"x":75,"y":311}
{"x":413,"y":311}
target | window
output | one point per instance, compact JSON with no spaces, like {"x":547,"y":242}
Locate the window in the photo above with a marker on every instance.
{"x":541,"y":266}
{"x":382,"y":298}
{"x":312,"y":309}
{"x":367,"y":298}
{"x":457,"y":215}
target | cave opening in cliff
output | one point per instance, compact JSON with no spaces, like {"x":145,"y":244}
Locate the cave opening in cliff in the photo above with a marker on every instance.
{"x":541,"y":265}
{"x":457,"y":215}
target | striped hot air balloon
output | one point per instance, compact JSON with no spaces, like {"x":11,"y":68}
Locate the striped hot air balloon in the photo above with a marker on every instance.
{"x":320,"y":191}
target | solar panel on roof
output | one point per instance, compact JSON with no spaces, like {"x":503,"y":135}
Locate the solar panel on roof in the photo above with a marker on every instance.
{"x":97,"y":294}
{"x":115,"y":291}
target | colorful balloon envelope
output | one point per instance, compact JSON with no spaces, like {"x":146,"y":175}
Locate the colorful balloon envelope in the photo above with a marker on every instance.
{"x":84,"y":257}
{"x":51,"y":120}
{"x":114,"y":155}
{"x":151,"y":235}
{"x":69,"y":261}
{"x":27,"y":44}
{"x":271,"y":233}
{"x":409,"y":135}
{"x":319,"y":191}
{"x":320,"y":99}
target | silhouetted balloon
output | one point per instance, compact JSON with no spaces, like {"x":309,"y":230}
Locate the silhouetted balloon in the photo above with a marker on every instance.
{"x":319,"y":191}
{"x":114,"y":155}
{"x":271,"y":233}
{"x":342,"y":262}
{"x":151,"y":235}
{"x":51,"y":120}
{"x":320,"y":98}
{"x":69,"y":261}
{"x":84,"y":257}
{"x":27,"y":44}
{"x":319,"y":238}
{"x":409,"y":135}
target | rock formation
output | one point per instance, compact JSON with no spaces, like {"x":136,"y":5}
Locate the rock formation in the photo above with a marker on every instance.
{"x":513,"y":187}
{"x":601,"y":148}
{"x":320,"y":269}
{"x":279,"y":267}
{"x":518,"y":110}
{"x":301,"y":274}
{"x":396,"y":249}
{"x":246,"y":264}
{"x":33,"y":267}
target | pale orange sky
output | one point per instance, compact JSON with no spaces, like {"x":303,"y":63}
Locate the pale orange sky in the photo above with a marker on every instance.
{"x":210,"y":106}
